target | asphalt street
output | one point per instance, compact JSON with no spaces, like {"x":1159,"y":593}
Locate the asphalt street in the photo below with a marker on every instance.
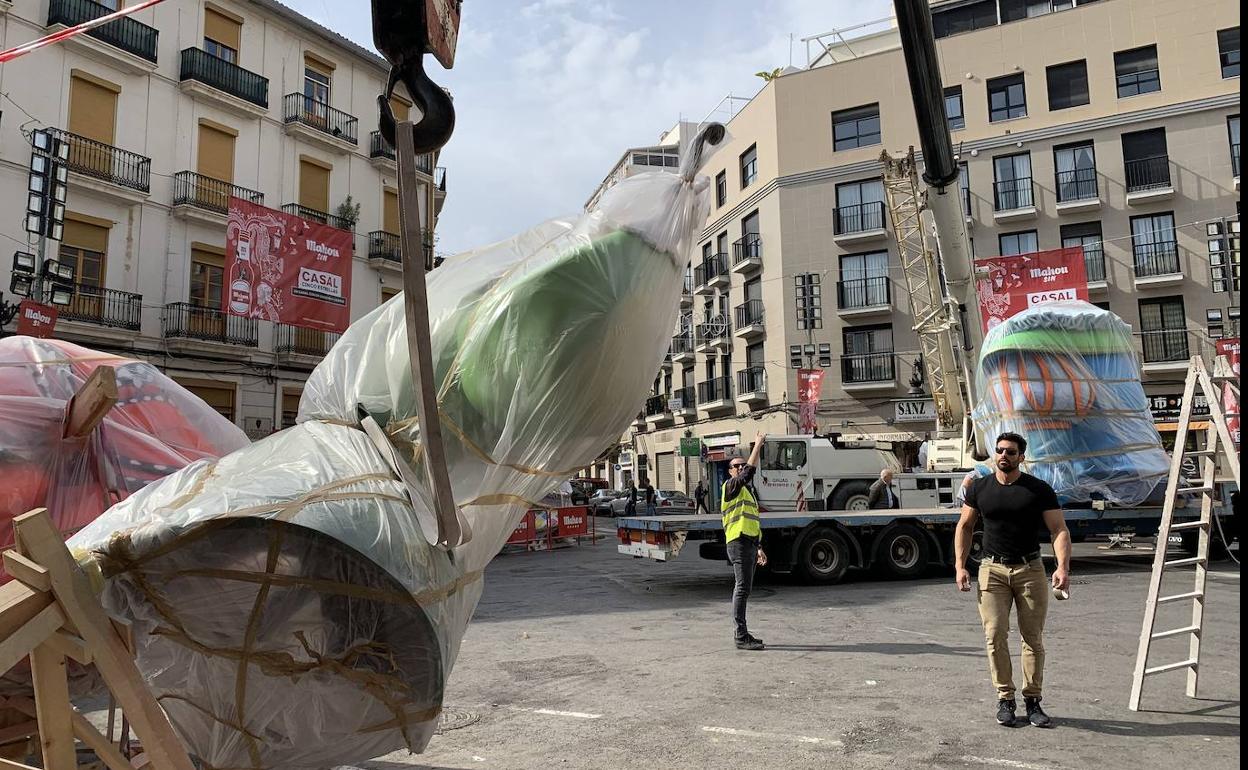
{"x":582,"y":658}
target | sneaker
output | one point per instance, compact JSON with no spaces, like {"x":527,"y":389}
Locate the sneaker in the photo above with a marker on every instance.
{"x":1035,"y":714}
{"x":1005,"y":713}
{"x":753,"y":638}
{"x":749,"y":643}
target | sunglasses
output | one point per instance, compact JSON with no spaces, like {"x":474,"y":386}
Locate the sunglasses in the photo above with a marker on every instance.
{"x":737,"y":465}
{"x":1008,"y":452}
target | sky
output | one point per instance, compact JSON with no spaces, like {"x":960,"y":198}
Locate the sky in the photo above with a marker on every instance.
{"x":549,"y":93}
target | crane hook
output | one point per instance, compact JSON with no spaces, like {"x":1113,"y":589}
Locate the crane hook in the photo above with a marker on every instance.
{"x":400,"y":32}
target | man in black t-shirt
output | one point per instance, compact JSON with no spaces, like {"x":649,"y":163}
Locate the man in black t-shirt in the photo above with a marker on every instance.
{"x":1014,"y":506}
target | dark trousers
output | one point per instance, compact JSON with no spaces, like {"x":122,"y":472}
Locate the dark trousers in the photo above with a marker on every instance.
{"x":743,"y":554}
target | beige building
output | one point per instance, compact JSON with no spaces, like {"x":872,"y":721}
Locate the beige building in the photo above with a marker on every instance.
{"x":1111,"y":124}
{"x":167,"y":114}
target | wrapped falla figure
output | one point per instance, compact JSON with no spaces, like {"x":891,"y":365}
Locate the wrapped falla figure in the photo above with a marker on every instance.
{"x":1066,"y":376}
{"x":288,"y":608}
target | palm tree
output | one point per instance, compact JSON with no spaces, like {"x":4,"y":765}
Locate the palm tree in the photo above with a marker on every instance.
{"x":769,"y":76}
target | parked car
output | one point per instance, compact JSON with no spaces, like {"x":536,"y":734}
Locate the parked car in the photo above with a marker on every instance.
{"x":584,"y":489}
{"x":669,"y":501}
{"x":600,"y":502}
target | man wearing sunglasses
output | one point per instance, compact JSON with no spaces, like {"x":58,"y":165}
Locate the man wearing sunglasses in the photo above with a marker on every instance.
{"x":743,"y":533}
{"x":1014,"y":506}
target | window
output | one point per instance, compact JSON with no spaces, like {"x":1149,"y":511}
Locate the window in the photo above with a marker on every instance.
{"x":721,"y":243}
{"x":84,"y":245}
{"x":1153,"y":245}
{"x":1137,"y":71}
{"x":315,"y":85}
{"x":290,"y":406}
{"x":1087,"y":235}
{"x":1012,"y":188}
{"x":784,"y":455}
{"x":1232,"y":130}
{"x":1013,"y":244}
{"x":1007,"y":98}
{"x":1214,"y":324}
{"x":1102,"y":305}
{"x":868,"y":355}
{"x":221,"y":35}
{"x":1232,"y":317}
{"x":1014,"y":10}
{"x":964,"y":184}
{"x":1146,"y":160}
{"x":749,"y":166}
{"x":864,"y":281}
{"x":1068,"y":85}
{"x":1076,"y":172}
{"x":859,"y":127}
{"x":207,"y":278}
{"x":859,"y":206}
{"x":217,"y":395}
{"x":721,"y":188}
{"x":1228,"y":51}
{"x":953,"y":108}
{"x":1163,"y":329}
{"x":964,"y":18}
{"x":751,"y":245}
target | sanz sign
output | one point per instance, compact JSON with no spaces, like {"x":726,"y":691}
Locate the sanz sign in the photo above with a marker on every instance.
{"x":923,"y":410}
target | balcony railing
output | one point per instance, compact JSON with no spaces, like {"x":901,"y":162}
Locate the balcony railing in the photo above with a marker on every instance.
{"x":681,"y":345}
{"x":867,"y":367}
{"x":749,"y":313}
{"x":752,"y":380}
{"x":317,"y":216}
{"x":859,"y":218}
{"x":1077,"y":185}
{"x":439,"y":178}
{"x":1165,"y":346}
{"x":748,"y":247}
{"x":209,"y":194}
{"x":709,"y":332}
{"x":1148,"y":173}
{"x":106,"y":162}
{"x":711,"y":268}
{"x":187,"y":321}
{"x":1151,"y":259}
{"x":686,"y":288}
{"x":104,"y":307}
{"x":225,"y":76}
{"x":656,"y":405}
{"x":125,"y":33}
{"x":717,"y":389}
{"x":384,"y":245}
{"x":378,"y":147}
{"x":295,"y":340}
{"x":1094,"y":262}
{"x":1013,"y":194}
{"x":686,"y":397}
{"x":966,"y":201}
{"x":1235,"y":159}
{"x":307,"y":111}
{"x":859,"y":293}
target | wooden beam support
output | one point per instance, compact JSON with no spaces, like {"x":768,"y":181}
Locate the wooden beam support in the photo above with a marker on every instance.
{"x":92,"y":401}
{"x":70,"y":646}
{"x":19,"y":644}
{"x":103,"y":749}
{"x":26,"y":571}
{"x":8,"y":764}
{"x":56,"y":739}
{"x":18,"y":605}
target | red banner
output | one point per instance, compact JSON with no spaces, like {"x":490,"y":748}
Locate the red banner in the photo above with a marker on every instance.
{"x":286,"y":269}
{"x":572,"y":521}
{"x":1229,"y":347}
{"x":1013,"y":284}
{"x":809,"y":383}
{"x":35,"y":320}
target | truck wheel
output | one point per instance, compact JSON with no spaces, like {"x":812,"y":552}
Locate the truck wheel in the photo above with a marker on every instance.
{"x":1217,"y":549}
{"x":903,"y":551}
{"x":823,"y":556}
{"x":976,"y":551}
{"x":850,"y":496}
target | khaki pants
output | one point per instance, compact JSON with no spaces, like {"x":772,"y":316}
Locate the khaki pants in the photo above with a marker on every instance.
{"x":1001,"y":587}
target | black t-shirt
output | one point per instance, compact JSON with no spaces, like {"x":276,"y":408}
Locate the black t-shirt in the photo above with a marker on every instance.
{"x":649,"y":494}
{"x":1012,"y":513}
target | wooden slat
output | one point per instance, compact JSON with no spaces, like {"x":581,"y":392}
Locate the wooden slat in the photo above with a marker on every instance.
{"x":18,"y":604}
{"x":1171,"y":667}
{"x":92,"y":401}
{"x":20,"y":730}
{"x":56,"y":738}
{"x":41,"y":541}
{"x":26,"y":571}
{"x":19,"y":644}
{"x":8,"y":764}
{"x":1177,"y":632}
{"x":102,"y":747}
{"x":70,"y":646}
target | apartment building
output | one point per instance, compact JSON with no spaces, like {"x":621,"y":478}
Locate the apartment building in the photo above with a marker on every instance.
{"x":1111,"y":124}
{"x":167,"y":114}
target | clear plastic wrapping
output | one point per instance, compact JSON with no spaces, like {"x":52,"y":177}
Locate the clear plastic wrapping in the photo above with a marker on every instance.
{"x":290,"y":613}
{"x":1065,"y":376}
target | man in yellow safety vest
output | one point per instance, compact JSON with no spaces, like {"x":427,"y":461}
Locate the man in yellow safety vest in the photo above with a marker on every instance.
{"x":743,"y":533}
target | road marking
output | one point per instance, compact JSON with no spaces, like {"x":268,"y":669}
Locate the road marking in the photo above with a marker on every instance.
{"x":1003,"y":762}
{"x":777,"y":736}
{"x":574,"y":714}
{"x":904,"y":631}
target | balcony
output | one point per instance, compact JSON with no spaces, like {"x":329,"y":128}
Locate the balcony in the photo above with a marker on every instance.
{"x":1157,"y":264}
{"x":184,"y":321}
{"x":860,"y":222}
{"x":666,"y":363}
{"x":385,"y":250}
{"x":104,"y":307}
{"x":380,"y":150}
{"x":1148,"y":180}
{"x":713,"y":336}
{"x":1014,"y":199}
{"x":864,"y":296}
{"x":1077,"y":191}
{"x":439,"y":179}
{"x":296,"y":345}
{"x":657,"y":411}
{"x":868,"y":371}
{"x":225,"y":84}
{"x":104,"y":168}
{"x":1165,"y":350}
{"x":747,"y":254}
{"x":201,"y":197}
{"x":682,"y":350}
{"x":319,"y":123}
{"x":1235,"y":163}
{"x":715,"y":395}
{"x":752,"y":385}
{"x":686,"y":291}
{"x":125,"y":41}
{"x":639,"y":422}
{"x":317,"y":216}
{"x":711,"y":273}
{"x":686,"y":402}
{"x":1094,"y":264}
{"x":748,"y":319}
